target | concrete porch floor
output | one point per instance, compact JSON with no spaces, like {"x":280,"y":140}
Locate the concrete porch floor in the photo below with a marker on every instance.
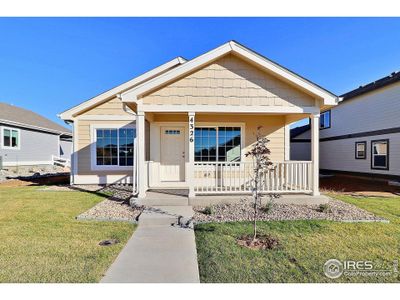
{"x":179,"y":197}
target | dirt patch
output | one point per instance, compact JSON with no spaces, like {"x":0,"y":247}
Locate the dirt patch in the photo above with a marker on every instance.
{"x":14,"y":183}
{"x":358,"y":186}
{"x":263,"y":242}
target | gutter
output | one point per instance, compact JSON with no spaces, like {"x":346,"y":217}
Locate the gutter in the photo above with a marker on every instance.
{"x":8,"y":122}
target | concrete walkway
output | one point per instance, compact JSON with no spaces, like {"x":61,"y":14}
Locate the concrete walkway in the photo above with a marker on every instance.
{"x":158,"y":252}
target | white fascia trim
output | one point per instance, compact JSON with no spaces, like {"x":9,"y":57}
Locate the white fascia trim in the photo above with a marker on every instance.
{"x":132,"y":95}
{"x":259,"y":109}
{"x":12,"y":123}
{"x":106,"y":117}
{"x":68,"y":114}
{"x":93,"y":162}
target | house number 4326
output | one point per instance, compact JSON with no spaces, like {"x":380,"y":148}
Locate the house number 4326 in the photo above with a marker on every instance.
{"x":191,"y":129}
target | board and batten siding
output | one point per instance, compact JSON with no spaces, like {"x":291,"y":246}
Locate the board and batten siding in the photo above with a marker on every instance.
{"x":36,"y":148}
{"x":376,"y":110}
{"x":229,"y":81}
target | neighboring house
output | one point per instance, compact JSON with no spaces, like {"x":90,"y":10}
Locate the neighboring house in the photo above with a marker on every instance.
{"x":28,"y":139}
{"x":361,"y":135}
{"x":188,"y":125}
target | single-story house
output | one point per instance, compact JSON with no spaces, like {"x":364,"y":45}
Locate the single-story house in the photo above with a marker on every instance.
{"x":29,"y":139}
{"x":361,"y":135}
{"x":188,"y":124}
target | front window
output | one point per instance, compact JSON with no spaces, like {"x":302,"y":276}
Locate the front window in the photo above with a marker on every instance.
{"x":114,"y":147}
{"x":217,"y":143}
{"x":361,"y":149}
{"x":380,"y":154}
{"x":325,"y":120}
{"x":10,"y":138}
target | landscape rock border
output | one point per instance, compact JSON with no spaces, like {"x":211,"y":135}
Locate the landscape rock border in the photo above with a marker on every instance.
{"x":243,"y":211}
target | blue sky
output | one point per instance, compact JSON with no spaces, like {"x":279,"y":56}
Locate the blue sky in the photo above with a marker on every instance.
{"x":51,"y":64}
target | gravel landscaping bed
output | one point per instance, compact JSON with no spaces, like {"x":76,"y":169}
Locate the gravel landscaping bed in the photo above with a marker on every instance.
{"x":111,"y":210}
{"x":115,"y":208}
{"x":243,"y":211}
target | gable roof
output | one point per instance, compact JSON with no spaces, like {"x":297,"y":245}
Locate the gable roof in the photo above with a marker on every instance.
{"x":299,"y":130}
{"x":377,"y":84}
{"x":132,"y":95}
{"x":21,"y":117}
{"x":70,"y":113}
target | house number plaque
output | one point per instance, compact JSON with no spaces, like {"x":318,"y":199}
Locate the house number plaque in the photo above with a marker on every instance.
{"x":191,"y":129}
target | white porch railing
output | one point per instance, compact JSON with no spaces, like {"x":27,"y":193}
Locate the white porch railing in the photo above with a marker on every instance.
{"x":236,"y":177}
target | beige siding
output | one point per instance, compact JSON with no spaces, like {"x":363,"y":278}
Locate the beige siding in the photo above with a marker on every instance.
{"x":84,"y":143}
{"x":273,"y":127}
{"x":229,"y":81}
{"x":113,"y":106}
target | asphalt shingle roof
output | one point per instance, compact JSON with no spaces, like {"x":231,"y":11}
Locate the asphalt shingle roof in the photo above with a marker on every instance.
{"x":392,"y":78}
{"x":29,"y":118}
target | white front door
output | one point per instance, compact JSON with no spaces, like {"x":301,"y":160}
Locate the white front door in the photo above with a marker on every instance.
{"x":172,"y":166}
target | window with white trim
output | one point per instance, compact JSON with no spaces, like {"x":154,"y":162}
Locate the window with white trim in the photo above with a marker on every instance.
{"x":380,"y":154}
{"x":217,"y":143}
{"x":325,"y":120}
{"x":114,"y":147}
{"x":361,"y":150}
{"x":11,"y":138}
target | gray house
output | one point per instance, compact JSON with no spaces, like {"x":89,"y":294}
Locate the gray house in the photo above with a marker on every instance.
{"x":361,"y":135}
{"x":28,"y":139}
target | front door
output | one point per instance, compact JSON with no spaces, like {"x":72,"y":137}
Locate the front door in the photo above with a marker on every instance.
{"x":172,"y":167}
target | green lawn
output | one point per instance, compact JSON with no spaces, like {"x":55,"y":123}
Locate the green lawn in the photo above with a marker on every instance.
{"x":305,"y":247}
{"x":40,"y":240}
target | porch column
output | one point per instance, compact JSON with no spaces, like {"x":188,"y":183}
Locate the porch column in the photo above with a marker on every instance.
{"x":190,"y":169}
{"x":315,"y":153}
{"x":141,"y":159}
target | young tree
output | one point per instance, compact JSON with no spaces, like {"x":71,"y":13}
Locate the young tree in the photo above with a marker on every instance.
{"x":259,"y":153}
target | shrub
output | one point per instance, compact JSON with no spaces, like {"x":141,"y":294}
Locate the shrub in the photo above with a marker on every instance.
{"x":208,"y":210}
{"x":324,"y":208}
{"x":268,"y":207}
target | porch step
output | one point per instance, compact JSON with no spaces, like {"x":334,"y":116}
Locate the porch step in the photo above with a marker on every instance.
{"x":181,"y":201}
{"x":164,"y":198}
{"x":165,"y":215}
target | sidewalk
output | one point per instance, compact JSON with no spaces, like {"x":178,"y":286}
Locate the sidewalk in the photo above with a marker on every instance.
{"x":157,"y":252}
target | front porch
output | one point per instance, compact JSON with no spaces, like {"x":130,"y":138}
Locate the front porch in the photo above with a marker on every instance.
{"x":186,"y":153}
{"x":179,"y":197}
